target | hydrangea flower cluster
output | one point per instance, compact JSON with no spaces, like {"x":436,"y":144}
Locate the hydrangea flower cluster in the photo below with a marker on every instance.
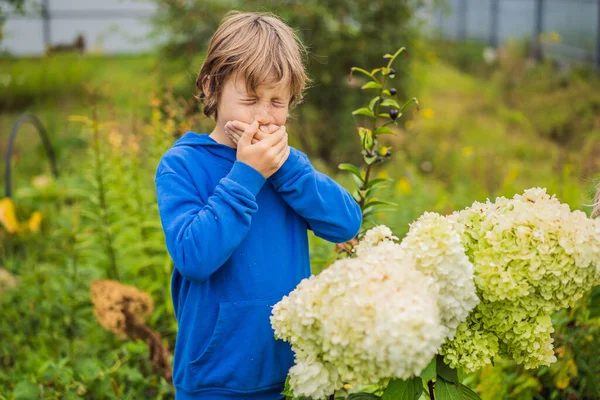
{"x":479,"y":283}
{"x":436,"y":246}
{"x":532,"y":256}
{"x":377,"y":315}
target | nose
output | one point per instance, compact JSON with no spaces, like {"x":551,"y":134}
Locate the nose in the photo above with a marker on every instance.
{"x":263,"y":114}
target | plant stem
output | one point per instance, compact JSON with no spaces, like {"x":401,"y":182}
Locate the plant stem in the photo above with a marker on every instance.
{"x":112,"y":272}
{"x":430,"y":386}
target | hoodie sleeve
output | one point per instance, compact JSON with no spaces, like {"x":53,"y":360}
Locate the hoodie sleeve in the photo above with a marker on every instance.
{"x":330,"y":211}
{"x":202,"y":235}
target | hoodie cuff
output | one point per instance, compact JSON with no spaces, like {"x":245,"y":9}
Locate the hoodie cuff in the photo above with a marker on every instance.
{"x":247,"y":177}
{"x":288,"y":166}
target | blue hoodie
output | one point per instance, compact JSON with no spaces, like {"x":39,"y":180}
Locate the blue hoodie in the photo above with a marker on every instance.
{"x":239,"y":243}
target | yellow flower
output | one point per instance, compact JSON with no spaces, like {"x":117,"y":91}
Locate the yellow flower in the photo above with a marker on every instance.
{"x":8,"y":215}
{"x":555,"y":36}
{"x":115,"y":139}
{"x":403,"y":186}
{"x":567,"y":371}
{"x":382,"y":174}
{"x":35,"y":221}
{"x":409,"y":125}
{"x":467,"y":151}
{"x":428,"y":113}
{"x":41,"y":181}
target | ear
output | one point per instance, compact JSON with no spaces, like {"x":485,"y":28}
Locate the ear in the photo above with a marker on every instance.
{"x":206,"y":85}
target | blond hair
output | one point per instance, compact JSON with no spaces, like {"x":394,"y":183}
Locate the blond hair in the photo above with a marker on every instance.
{"x":259,"y":47}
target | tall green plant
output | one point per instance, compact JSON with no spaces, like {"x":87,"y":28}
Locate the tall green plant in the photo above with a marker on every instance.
{"x":383,"y":105}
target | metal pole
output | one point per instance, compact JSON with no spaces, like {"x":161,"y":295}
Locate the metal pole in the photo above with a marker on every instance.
{"x":598,"y":36}
{"x":32,"y":119}
{"x":441,"y":22}
{"x":46,"y":22}
{"x":538,"y":29}
{"x":494,"y":15}
{"x":462,"y":20}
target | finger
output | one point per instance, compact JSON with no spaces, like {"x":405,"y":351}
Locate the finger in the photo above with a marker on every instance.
{"x":239,"y":128}
{"x":248,"y":135}
{"x":283,"y":156}
{"x":275,"y":137}
{"x":235,"y":136}
{"x":279,"y":146}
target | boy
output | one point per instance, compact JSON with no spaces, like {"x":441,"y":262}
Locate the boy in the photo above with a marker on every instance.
{"x":235,"y":206}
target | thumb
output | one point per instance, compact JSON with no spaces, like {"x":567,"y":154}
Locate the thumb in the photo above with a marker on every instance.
{"x":246,"y":138}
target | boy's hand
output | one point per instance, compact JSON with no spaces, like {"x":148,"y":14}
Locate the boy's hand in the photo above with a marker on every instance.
{"x":266,"y":156}
{"x":235,"y":129}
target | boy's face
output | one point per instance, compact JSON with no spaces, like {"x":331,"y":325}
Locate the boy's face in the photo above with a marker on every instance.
{"x":268,"y":106}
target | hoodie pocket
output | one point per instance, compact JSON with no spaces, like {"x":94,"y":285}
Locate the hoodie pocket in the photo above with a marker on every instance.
{"x":242,"y":353}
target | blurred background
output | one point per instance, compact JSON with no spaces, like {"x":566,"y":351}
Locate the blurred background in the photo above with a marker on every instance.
{"x":92,"y":93}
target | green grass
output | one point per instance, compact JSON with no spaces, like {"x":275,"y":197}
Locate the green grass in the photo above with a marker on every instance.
{"x":54,"y":88}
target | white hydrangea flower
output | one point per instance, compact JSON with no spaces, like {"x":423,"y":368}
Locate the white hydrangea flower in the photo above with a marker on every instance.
{"x":311,"y":379}
{"x":436,"y":246}
{"x":532,"y":256}
{"x":364,"y":318}
{"x":373,"y":237}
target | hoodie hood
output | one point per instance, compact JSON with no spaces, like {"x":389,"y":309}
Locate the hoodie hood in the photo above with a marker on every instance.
{"x":209,"y":144}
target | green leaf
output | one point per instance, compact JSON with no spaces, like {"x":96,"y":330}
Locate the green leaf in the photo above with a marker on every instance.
{"x":466,"y":393}
{"x":399,"y":389}
{"x":377,"y":181}
{"x":384,"y":115}
{"x":362,"y":71}
{"x":363,"y":396}
{"x":445,"y":371}
{"x":287,"y":390}
{"x":371,"y":85}
{"x":400,"y":50}
{"x":26,"y":390}
{"x":87,"y":369}
{"x":390,"y":103}
{"x":594,"y":306}
{"x":429,"y":372}
{"x":351,"y":168}
{"x":380,"y":202}
{"x":366,"y":137}
{"x":373,"y":102}
{"x":370,"y":160}
{"x":364,"y":111}
{"x":383,"y":130}
{"x":357,"y":181}
{"x":445,"y":390}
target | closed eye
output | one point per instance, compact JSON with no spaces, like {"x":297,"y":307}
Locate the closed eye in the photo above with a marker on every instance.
{"x":251,"y":101}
